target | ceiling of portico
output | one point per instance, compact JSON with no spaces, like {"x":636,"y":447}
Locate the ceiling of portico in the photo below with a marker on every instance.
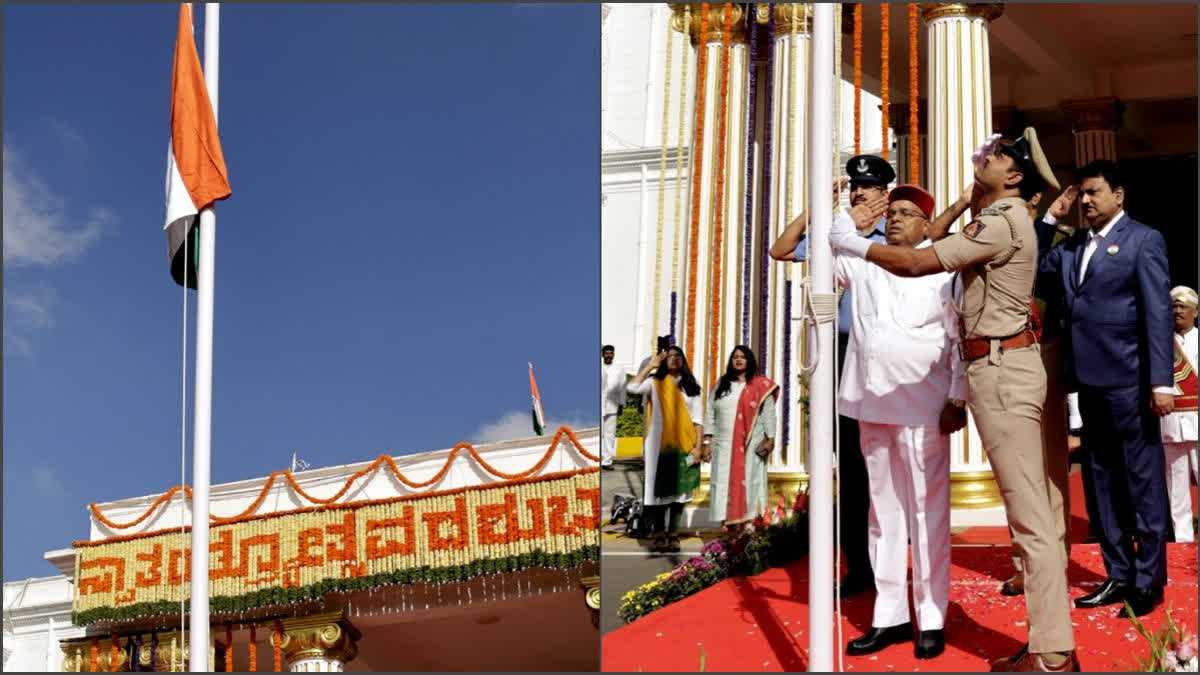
{"x":1044,"y":53}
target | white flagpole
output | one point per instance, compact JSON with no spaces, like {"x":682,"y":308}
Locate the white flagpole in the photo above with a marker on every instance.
{"x":820,"y":519}
{"x":202,"y":435}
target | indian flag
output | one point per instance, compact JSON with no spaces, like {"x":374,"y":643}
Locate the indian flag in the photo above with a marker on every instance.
{"x":196,"y":174}
{"x":539,"y":418}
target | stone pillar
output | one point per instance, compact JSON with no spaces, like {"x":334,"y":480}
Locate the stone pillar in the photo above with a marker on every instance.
{"x":319,"y":644}
{"x":789,"y":157}
{"x":729,"y":320}
{"x":898,"y":120}
{"x":1094,"y":123}
{"x":959,"y":83}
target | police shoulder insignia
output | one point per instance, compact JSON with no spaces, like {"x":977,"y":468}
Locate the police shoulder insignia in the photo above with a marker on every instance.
{"x":973,"y":228}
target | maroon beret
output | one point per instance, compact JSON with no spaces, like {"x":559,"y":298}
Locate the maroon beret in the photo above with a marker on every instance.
{"x":914,"y":194}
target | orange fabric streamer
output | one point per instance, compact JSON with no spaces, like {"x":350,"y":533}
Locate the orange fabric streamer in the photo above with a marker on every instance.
{"x":719,"y":201}
{"x":914,"y":145}
{"x":697,"y":159}
{"x":858,"y":9}
{"x":884,"y":40}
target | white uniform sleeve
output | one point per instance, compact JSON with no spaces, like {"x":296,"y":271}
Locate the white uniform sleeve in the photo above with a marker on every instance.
{"x":1075,"y":420}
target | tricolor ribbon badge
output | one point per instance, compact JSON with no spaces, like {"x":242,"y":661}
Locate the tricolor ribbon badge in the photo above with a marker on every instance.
{"x":1112,"y":250}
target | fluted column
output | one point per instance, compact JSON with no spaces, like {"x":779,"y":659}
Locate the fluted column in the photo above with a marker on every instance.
{"x":731,"y":203}
{"x":959,"y":87}
{"x":789,"y":157}
{"x":1094,"y":123}
{"x":898,"y":120}
{"x":319,"y":644}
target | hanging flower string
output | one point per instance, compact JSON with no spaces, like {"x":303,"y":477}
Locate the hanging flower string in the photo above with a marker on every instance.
{"x":764,"y":266}
{"x":913,"y":138}
{"x":94,"y":664}
{"x":884,"y":39}
{"x":383,"y":459}
{"x":114,"y":654}
{"x":747,"y":229}
{"x":662,"y":189}
{"x":253,"y":650}
{"x":697,"y":160}
{"x":229,"y":648}
{"x":858,"y":28}
{"x":719,"y":199}
{"x":277,"y":643}
{"x":683,"y":64}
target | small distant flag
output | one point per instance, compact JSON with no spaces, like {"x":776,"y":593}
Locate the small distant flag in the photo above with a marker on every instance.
{"x":196,"y":173}
{"x":539,"y":418}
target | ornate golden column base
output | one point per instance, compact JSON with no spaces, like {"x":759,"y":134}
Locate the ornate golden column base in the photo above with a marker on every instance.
{"x":974,"y":490}
{"x":320,"y":643}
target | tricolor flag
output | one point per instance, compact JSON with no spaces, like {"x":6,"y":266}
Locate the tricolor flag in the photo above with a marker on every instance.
{"x":196,"y":175}
{"x":539,"y":418}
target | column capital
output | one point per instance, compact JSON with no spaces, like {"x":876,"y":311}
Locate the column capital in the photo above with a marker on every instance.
{"x":77,"y":655}
{"x":1095,"y":114}
{"x":790,"y":17}
{"x":898,"y":117}
{"x":323,"y":636}
{"x":931,"y":11}
{"x":716,"y":22}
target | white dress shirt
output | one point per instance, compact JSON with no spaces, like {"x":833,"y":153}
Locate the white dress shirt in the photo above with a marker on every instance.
{"x":902,"y":363}
{"x":612,"y":388}
{"x":1095,"y":241}
{"x":1179,"y":427}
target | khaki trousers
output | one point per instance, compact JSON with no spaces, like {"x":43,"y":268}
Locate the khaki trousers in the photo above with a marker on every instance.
{"x":1006,"y":393}
{"x":1054,"y":449}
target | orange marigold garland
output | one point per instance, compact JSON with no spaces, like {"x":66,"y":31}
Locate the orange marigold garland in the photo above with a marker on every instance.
{"x":277,"y":643}
{"x":94,"y":664}
{"x":719,"y":201}
{"x":229,"y":648}
{"x":112,"y":656}
{"x":696,"y":157}
{"x":858,"y":9}
{"x":253,"y":650}
{"x":913,"y":137}
{"x":884,"y":39}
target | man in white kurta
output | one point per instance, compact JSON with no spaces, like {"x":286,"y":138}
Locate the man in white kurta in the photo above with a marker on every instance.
{"x":612,"y":393}
{"x":905,"y":384}
{"x":1179,"y":428}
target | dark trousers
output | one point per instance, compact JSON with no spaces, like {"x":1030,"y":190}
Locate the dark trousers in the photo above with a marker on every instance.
{"x":854,"y":501}
{"x":1125,"y":457}
{"x":1089,"y":491}
{"x":663,"y":517}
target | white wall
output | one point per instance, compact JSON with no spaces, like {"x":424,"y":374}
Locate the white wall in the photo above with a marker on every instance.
{"x":31,"y":606}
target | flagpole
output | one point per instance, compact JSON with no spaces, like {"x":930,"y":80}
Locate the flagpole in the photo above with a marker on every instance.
{"x":202,"y":436}
{"x":820,"y":519}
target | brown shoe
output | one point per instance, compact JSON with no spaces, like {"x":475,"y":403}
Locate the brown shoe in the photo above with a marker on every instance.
{"x":1025,"y":662}
{"x":1015,"y":585}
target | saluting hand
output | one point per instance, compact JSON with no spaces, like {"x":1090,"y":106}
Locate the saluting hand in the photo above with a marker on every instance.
{"x":1062,"y":205}
{"x":869,"y":212}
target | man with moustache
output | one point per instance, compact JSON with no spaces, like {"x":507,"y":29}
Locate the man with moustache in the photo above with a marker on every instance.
{"x":1118,"y":356}
{"x":997,"y":256}
{"x":1179,"y":428}
{"x":869,"y":177}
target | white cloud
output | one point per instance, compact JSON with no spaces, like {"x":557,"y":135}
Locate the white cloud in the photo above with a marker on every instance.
{"x":519,"y":424}
{"x":26,"y":309}
{"x":72,"y":141}
{"x":45,"y":482}
{"x":37,"y":229}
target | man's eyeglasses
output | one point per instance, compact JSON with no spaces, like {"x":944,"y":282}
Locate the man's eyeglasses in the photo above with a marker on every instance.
{"x":904,"y":213}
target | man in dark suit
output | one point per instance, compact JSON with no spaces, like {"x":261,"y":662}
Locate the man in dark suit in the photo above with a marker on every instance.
{"x":1118,"y":355}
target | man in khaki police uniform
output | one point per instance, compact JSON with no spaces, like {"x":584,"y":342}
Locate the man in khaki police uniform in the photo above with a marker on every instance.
{"x":997,"y":256}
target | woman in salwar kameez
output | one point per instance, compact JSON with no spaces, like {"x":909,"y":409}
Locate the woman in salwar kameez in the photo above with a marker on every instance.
{"x":671,"y":447}
{"x":740,"y":430}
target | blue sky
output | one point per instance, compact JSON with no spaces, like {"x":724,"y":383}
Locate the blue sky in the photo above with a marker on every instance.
{"x":414,"y":217}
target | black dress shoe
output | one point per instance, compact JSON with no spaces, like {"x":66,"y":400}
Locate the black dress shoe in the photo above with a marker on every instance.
{"x":1110,"y":592}
{"x":1142,"y":601}
{"x":608,"y":467}
{"x":878,"y":638}
{"x":930,"y":643}
{"x":853,"y":584}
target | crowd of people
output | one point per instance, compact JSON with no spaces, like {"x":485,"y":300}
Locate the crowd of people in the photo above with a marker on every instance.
{"x":1068,"y":345}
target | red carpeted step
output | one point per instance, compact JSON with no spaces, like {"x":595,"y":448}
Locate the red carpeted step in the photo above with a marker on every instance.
{"x":761,"y":623}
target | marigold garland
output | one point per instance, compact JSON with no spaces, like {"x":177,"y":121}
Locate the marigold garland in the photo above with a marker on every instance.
{"x":913,"y":136}
{"x":277,"y":643}
{"x":697,"y":159}
{"x":884,"y":45}
{"x":382,"y":459}
{"x":858,"y":9}
{"x":94,"y":665}
{"x":253,"y":650}
{"x":229,"y":648}
{"x":112,"y":655}
{"x":719,"y":199}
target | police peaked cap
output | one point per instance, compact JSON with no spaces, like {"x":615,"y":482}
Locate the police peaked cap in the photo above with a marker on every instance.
{"x":870,"y":169}
{"x":1030,"y":160}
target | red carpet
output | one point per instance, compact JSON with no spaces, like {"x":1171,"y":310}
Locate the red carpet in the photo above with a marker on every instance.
{"x":761,"y":623}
